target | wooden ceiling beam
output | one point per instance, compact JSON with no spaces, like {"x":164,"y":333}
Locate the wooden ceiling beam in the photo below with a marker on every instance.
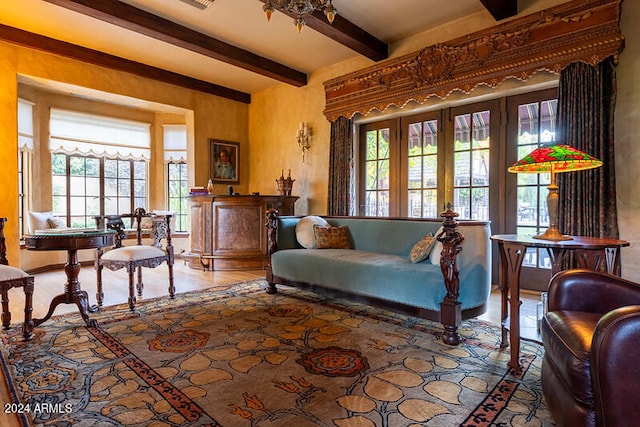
{"x":68,"y":50}
{"x":501,"y":9}
{"x":140,"y":21}
{"x":346,"y":33}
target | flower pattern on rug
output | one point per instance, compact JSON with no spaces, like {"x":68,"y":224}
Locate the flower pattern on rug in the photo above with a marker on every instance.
{"x":242,"y":357}
{"x":334,"y":362}
{"x":178,"y":342}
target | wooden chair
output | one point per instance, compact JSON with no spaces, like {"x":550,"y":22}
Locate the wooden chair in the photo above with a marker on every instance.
{"x":134,"y":257}
{"x":11,"y":277}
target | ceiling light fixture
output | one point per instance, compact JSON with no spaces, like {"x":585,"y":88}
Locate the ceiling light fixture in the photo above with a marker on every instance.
{"x":300,"y":8}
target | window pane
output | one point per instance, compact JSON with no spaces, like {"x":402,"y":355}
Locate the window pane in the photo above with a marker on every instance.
{"x":90,"y":184}
{"x":422,"y":168}
{"x":124,"y":169}
{"x":536,"y":126}
{"x":471,"y":165}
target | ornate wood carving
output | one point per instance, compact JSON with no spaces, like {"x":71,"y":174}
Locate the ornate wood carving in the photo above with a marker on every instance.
{"x":579,"y":30}
{"x":450,"y":307}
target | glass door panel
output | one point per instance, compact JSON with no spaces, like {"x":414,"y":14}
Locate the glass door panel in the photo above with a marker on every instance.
{"x":471,"y":165}
{"x":377,"y":163}
{"x":422,"y":167}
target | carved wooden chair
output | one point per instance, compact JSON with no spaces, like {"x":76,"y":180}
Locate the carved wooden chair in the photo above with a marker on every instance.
{"x":134,"y":257}
{"x":11,"y":277}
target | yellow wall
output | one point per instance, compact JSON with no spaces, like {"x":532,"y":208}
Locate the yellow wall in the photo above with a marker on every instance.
{"x":212,"y":117}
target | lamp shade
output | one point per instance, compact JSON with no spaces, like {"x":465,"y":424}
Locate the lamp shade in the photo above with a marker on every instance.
{"x":555,"y":158}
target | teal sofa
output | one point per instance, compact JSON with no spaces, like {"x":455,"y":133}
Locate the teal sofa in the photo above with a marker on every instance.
{"x":377,"y":269}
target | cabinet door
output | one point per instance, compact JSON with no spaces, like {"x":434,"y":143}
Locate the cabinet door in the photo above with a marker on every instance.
{"x":201,"y":225}
{"x":239,"y":229}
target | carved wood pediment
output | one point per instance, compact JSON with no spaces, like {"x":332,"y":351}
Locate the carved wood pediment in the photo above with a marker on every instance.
{"x":579,"y":30}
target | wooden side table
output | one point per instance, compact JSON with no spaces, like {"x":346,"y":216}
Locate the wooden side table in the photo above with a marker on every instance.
{"x":591,"y":252}
{"x":71,"y":241}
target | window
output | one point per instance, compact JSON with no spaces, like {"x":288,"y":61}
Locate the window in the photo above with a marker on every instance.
{"x":175,"y":155}
{"x":471,"y":164}
{"x":99,"y":166}
{"x":177,"y":173}
{"x":535,"y":125}
{"x":422,"y":166}
{"x":377,"y":170}
{"x":434,"y":159}
{"x":415,"y":165}
{"x":25,"y":150}
{"x":83,"y":187}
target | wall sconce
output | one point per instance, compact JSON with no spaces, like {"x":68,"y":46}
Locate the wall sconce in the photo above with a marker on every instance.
{"x":304,"y":138}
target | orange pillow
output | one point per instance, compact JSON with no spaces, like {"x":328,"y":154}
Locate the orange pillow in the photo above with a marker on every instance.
{"x":332,"y":237}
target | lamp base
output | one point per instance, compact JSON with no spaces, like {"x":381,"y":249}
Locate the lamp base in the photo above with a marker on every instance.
{"x":552,"y":233}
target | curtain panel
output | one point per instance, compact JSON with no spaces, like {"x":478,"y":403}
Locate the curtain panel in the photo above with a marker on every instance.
{"x":341,"y":168}
{"x":586,"y":103}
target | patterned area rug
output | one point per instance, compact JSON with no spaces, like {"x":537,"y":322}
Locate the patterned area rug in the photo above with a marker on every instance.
{"x":241,"y":357}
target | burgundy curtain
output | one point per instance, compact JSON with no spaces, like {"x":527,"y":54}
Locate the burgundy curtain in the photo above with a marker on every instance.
{"x":341,"y":168}
{"x":586,"y":103}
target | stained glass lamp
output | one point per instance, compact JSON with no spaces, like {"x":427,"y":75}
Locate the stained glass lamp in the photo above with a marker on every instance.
{"x":554,"y":159}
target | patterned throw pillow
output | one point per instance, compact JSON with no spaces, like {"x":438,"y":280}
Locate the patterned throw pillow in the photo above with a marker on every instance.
{"x":422,"y":249}
{"x":332,"y":237}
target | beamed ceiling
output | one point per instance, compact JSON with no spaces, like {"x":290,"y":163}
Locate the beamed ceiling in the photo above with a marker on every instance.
{"x":227,"y":49}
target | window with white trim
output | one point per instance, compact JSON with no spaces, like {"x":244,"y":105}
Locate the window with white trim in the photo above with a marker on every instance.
{"x":99,"y":165}
{"x":175,"y":157}
{"x":25,"y":156}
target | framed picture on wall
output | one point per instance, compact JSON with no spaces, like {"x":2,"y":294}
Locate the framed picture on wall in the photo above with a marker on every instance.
{"x":225,"y":161}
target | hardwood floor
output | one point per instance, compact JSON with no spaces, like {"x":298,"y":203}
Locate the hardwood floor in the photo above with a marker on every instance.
{"x":50,"y":284}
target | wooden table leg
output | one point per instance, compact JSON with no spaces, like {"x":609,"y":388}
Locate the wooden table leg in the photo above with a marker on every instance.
{"x":513,"y":255}
{"x":73,"y":293}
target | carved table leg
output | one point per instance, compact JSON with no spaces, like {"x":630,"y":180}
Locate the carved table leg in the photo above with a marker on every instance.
{"x":73,"y":294}
{"x":512,"y":255}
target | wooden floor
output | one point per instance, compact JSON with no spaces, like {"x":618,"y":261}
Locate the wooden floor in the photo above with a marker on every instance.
{"x":50,"y":284}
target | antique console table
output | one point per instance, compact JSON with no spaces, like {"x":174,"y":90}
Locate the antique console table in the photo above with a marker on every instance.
{"x":228,"y":231}
{"x":71,"y":241}
{"x":591,"y":252}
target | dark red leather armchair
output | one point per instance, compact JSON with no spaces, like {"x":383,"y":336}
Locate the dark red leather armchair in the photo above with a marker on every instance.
{"x":591,"y":337}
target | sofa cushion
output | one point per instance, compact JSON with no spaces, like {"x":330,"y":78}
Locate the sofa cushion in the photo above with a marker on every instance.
{"x":332,"y":237}
{"x":390,"y":277}
{"x":304,"y":230}
{"x":422,"y":249}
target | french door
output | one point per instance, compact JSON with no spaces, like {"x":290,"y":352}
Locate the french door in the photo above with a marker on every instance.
{"x":415,"y":166}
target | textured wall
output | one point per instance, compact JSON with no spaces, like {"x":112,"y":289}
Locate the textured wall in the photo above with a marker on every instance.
{"x":627,"y":117}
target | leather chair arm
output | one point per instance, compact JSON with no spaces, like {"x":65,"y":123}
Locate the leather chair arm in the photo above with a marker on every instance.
{"x":591,"y":291}
{"x":615,"y":371}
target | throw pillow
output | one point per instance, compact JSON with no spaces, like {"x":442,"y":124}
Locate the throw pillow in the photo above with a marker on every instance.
{"x":55,"y":222}
{"x":422,"y":249}
{"x":434,"y":256}
{"x":332,"y":237}
{"x":146,"y":223}
{"x":39,"y":221}
{"x":304,"y":230}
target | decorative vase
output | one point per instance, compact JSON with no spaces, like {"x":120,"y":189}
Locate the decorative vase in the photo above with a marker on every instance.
{"x":210,"y":186}
{"x":288,"y":184}
{"x":280,"y":184}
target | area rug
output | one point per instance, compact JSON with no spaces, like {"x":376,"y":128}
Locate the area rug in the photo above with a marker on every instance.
{"x":241,"y":357}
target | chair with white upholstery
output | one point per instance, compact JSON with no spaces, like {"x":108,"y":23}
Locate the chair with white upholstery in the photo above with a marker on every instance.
{"x":11,"y":277}
{"x":134,"y":257}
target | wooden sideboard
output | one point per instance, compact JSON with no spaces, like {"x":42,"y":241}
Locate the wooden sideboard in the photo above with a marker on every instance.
{"x":228,"y":232}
